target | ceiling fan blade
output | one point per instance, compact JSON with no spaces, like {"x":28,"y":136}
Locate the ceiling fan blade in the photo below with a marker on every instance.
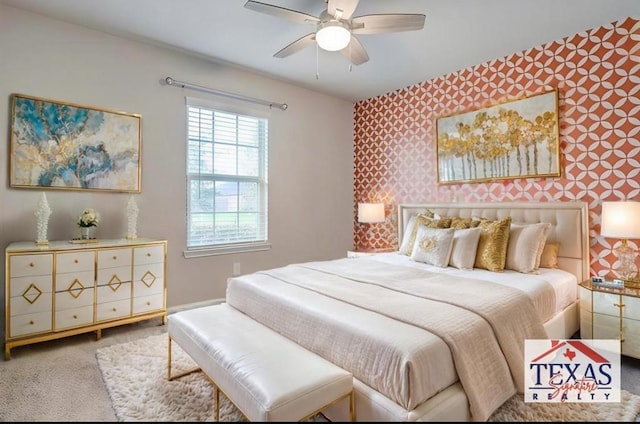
{"x":280,"y":12}
{"x":297,"y":45}
{"x":378,"y":24}
{"x":355,"y":52}
{"x":344,"y":8}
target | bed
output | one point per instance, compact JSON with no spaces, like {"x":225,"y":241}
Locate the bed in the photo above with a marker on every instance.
{"x":426,"y":342}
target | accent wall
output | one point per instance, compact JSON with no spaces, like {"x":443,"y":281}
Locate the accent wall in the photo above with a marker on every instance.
{"x":596,"y":73}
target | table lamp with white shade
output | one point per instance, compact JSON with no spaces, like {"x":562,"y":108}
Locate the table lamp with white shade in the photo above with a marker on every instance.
{"x":621,"y":219}
{"x":370,"y":213}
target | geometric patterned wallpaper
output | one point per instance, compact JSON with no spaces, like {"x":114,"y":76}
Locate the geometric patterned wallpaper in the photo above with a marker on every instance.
{"x":597,"y":74}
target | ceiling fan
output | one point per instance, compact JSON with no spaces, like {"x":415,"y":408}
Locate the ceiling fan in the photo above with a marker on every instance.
{"x":336,"y":28}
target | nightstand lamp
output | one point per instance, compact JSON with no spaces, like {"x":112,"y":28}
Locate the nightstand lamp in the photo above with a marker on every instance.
{"x":370,"y":213}
{"x":621,"y":220}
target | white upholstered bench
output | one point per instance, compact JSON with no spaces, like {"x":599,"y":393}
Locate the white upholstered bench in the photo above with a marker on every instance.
{"x":267,"y":376}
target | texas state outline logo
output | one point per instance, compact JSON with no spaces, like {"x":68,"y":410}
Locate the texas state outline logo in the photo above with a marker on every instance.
{"x":572,"y":370}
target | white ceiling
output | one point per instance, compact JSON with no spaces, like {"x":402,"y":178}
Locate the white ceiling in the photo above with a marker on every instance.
{"x":457,"y":34}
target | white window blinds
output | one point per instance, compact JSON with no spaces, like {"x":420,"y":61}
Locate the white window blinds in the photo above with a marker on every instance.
{"x":226,"y":177}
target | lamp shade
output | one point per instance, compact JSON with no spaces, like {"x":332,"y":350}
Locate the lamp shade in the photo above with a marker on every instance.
{"x":333,"y":36}
{"x":370,"y":212}
{"x":620,"y":220}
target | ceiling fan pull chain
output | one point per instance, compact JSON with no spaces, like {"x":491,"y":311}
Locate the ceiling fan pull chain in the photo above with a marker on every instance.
{"x":350,"y":57}
{"x":317,"y":62}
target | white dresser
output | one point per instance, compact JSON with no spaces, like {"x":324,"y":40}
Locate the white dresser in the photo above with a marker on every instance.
{"x":610,"y":313}
{"x":64,"y":289}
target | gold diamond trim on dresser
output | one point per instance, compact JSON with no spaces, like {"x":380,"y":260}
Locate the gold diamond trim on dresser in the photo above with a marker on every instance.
{"x":75,"y":289}
{"x":32,"y":293}
{"x":150,"y":277}
{"x":115,"y":283}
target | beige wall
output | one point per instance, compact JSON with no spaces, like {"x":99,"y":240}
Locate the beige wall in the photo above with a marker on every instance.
{"x":310,"y":157}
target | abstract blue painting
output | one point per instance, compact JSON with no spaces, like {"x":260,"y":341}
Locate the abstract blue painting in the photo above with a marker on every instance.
{"x":67,"y":146}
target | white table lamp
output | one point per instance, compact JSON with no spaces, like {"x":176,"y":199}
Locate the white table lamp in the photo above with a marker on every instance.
{"x":621,"y":219}
{"x":370,"y":213}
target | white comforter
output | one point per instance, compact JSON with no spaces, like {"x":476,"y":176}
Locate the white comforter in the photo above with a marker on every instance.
{"x":400,"y":329}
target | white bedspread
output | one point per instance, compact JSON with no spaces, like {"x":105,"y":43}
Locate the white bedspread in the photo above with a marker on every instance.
{"x":393,"y":327}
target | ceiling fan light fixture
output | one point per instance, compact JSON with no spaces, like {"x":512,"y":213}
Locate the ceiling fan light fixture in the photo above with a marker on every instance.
{"x":333,"y":36}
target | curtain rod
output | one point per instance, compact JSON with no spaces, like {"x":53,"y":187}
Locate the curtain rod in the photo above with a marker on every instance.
{"x":176,"y":83}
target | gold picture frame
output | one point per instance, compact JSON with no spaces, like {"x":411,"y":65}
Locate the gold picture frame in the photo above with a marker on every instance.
{"x":509,"y":140}
{"x":66,"y":146}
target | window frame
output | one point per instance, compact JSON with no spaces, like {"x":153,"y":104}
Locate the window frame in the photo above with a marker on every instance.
{"x":262,"y":179}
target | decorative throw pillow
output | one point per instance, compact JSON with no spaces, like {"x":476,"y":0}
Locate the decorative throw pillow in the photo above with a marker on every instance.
{"x":492,"y":246}
{"x":410,"y":234}
{"x":549,"y":257}
{"x":465,"y":245}
{"x":462,"y":223}
{"x":525,"y":243}
{"x":433,"y":245}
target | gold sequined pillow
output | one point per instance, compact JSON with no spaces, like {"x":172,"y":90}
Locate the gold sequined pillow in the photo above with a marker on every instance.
{"x":463,"y":223}
{"x":433,"y":246}
{"x":426,"y":221}
{"x":549,"y":257}
{"x":492,"y":246}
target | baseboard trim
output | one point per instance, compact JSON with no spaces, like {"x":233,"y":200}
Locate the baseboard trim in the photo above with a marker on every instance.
{"x":184,"y":307}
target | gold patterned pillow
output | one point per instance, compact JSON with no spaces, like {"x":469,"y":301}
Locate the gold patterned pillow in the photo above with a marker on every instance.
{"x":463,"y":223}
{"x":549,"y":257}
{"x":412,"y":229}
{"x":492,"y":246}
{"x":433,"y":246}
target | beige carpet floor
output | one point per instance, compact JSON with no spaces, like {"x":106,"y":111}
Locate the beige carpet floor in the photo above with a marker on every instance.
{"x":135,"y":376}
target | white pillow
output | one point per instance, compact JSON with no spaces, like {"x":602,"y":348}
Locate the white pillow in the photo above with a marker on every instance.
{"x":433,"y":246}
{"x":406,"y":235}
{"x":465,"y":245}
{"x":525,"y":246}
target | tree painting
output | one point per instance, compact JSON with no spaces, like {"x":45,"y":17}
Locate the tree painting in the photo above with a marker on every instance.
{"x":56,"y":145}
{"x":518,"y":139}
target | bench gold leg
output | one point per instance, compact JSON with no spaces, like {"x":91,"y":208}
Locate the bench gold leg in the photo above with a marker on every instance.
{"x":216,"y":409}
{"x":173,"y":377}
{"x":352,"y":406}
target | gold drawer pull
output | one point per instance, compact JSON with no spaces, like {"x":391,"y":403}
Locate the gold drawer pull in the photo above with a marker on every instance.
{"x":31,"y":322}
{"x":114,"y":309}
{"x":75,"y":317}
{"x":32,"y":265}
{"x":75,"y":261}
{"x":149,"y":255}
{"x":148,"y":303}
{"x":115,"y":257}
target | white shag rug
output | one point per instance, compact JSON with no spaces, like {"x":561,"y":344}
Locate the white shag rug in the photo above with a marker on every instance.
{"x":135,"y":374}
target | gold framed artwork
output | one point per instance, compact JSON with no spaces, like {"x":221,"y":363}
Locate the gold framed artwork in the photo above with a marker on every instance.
{"x":57,"y":145}
{"x":512,"y":139}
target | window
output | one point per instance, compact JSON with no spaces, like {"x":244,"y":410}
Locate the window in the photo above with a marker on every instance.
{"x":226,"y":180}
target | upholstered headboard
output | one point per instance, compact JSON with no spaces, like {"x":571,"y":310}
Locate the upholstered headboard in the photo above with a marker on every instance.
{"x":569,"y":224}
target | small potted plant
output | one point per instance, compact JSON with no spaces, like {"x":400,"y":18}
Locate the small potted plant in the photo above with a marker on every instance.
{"x":87,"y":221}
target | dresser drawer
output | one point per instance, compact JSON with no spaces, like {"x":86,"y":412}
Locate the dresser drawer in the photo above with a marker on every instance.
{"x":605,"y":303}
{"x":148,"y":254}
{"x":74,"y":281}
{"x":148,"y":287}
{"x":19,"y":305}
{"x":70,"y":299}
{"x":148,"y":273}
{"x":76,"y":317}
{"x":113,"y":310}
{"x":75,"y":261}
{"x":27,"y":324}
{"x":606,"y":327}
{"x":30,"y":265}
{"x":144,"y":304}
{"x":114,"y":258}
{"x":114,"y":292}
{"x":111,"y":276}
{"x":30,"y":286}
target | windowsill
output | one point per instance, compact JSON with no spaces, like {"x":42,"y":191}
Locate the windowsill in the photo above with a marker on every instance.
{"x":197,"y":252}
